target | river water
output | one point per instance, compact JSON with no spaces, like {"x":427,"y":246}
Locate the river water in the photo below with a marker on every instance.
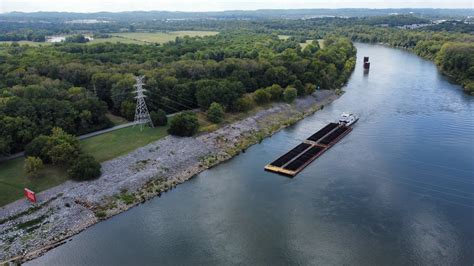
{"x":399,"y":189}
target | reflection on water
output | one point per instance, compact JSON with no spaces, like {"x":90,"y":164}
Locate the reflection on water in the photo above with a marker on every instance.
{"x":399,"y":189}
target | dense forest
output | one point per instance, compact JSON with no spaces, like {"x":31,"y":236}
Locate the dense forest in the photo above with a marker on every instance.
{"x":72,"y":86}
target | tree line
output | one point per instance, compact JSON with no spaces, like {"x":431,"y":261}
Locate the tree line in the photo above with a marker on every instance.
{"x":73,"y":86}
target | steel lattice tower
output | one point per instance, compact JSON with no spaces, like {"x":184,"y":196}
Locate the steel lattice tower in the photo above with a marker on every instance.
{"x":142,"y":117}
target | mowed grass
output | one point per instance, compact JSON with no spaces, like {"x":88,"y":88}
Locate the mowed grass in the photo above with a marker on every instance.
{"x":119,"y":142}
{"x":13,"y":179}
{"x":103,"y":147}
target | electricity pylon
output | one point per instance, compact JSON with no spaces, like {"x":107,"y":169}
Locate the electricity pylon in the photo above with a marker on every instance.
{"x":142,"y":117}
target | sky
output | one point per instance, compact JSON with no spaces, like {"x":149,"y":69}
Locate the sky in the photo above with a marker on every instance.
{"x":216,"y":5}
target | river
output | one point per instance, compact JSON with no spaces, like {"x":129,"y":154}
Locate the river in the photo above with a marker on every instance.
{"x":399,"y":189}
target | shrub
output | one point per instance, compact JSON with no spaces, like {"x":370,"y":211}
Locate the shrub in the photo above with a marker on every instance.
{"x":184,"y":124}
{"x":159,"y":118}
{"x":33,"y":165}
{"x":299,"y":87}
{"x":215,"y":113}
{"x":290,"y":94}
{"x":469,"y":87}
{"x":309,"y":88}
{"x":275,"y":91}
{"x":85,"y":167}
{"x":244,"y":103}
{"x":262,"y":96}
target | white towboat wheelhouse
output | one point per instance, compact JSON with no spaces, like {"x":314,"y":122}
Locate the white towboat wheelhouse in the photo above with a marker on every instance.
{"x":348,"y":119}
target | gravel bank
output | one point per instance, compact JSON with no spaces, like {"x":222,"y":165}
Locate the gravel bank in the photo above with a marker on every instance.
{"x":29,"y":230}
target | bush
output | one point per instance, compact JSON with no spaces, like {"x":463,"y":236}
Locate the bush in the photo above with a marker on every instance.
{"x":309,"y":88}
{"x":275,"y":91}
{"x":159,"y":118}
{"x":215,"y":113}
{"x":33,"y":165}
{"x":469,"y":87}
{"x":262,"y":96}
{"x":84,"y":168}
{"x":244,"y":103}
{"x":290,"y":94}
{"x":299,"y":87}
{"x":184,"y":124}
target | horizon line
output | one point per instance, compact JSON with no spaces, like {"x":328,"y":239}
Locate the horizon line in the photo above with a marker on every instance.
{"x":234,"y":10}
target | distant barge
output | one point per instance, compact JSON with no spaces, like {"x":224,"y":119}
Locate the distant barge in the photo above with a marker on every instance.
{"x":294,"y":161}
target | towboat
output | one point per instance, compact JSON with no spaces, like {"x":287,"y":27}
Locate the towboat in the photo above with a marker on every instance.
{"x":348,"y":119}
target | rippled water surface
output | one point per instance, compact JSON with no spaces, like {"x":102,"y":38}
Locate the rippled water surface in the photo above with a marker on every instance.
{"x":399,"y":189}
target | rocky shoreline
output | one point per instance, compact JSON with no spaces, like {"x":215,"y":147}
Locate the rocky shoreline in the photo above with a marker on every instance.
{"x":27,"y":231}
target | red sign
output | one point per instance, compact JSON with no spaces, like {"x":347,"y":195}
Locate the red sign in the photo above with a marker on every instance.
{"x":30,"y":195}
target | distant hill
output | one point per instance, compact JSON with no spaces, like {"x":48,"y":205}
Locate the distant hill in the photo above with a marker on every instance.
{"x":238,"y":14}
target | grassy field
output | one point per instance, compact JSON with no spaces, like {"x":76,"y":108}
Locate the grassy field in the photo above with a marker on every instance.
{"x":116,"y":39}
{"x":113,"y":144}
{"x":13,"y":179}
{"x":152,"y":37}
{"x":117,"y":120}
{"x":284,"y":37}
{"x":103,"y":147}
{"x":304,"y":44}
{"x":136,"y":37}
{"x":321,"y":43}
{"x":27,"y":42}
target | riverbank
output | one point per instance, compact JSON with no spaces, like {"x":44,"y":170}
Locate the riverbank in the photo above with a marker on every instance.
{"x":27,"y":231}
{"x":453,"y":78}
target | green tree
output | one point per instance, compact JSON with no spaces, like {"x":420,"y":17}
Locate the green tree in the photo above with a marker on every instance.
{"x":33,"y":165}
{"x":215,"y":113}
{"x":244,"y":103}
{"x":159,"y":118}
{"x":85,"y":167}
{"x":290,"y":94}
{"x":184,"y":124}
{"x":63,"y":153}
{"x":127,"y":110}
{"x":262,"y":96}
{"x":275,"y":91}
{"x":77,"y":38}
{"x":38,"y":147}
{"x":309,"y":88}
{"x":4,"y":146}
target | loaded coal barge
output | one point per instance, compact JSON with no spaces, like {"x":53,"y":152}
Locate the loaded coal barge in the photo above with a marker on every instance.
{"x":294,"y":161}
